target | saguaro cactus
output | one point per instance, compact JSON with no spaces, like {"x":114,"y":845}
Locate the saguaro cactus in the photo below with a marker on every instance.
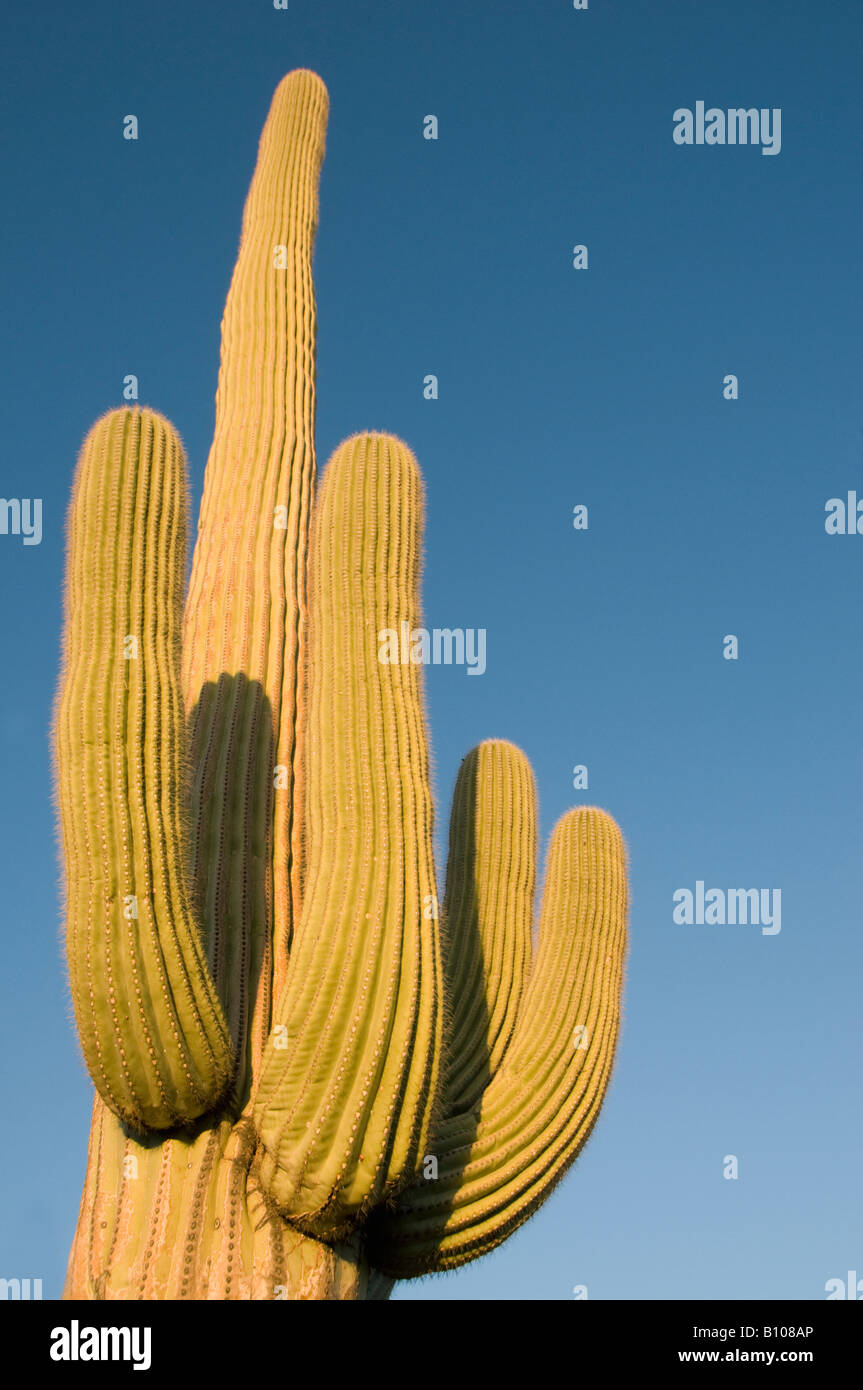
{"x":309,"y":1080}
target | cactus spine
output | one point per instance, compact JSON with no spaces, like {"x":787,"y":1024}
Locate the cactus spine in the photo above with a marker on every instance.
{"x":280,"y":1026}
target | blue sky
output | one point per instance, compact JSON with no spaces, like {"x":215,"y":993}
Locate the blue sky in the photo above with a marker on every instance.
{"x":557,"y":387}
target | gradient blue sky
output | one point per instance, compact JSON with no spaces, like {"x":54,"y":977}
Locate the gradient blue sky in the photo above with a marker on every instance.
{"x":556,"y":387}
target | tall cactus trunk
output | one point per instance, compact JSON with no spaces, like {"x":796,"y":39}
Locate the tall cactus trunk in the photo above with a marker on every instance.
{"x":186,"y":1219}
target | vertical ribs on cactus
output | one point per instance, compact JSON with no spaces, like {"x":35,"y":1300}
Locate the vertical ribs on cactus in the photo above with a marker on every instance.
{"x":309,"y":1080}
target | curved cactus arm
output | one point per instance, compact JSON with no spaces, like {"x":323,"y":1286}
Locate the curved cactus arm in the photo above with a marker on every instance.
{"x":495,"y":1167}
{"x":151,"y":1026}
{"x":246,"y":611}
{"x":349,"y":1076}
{"x":488,"y":914}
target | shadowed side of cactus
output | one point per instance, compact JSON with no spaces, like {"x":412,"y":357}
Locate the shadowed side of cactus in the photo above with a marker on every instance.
{"x":282,"y":1027}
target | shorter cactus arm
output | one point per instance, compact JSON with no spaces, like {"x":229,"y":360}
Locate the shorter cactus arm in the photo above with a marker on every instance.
{"x":151,"y":1026}
{"x":497,"y":1165}
{"x":344,"y":1100}
{"x":488,"y":914}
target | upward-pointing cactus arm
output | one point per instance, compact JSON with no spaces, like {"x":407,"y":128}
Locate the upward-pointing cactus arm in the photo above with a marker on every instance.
{"x":498,"y":1163}
{"x":151,"y":1026}
{"x":347,"y":1086}
{"x":488,"y":914}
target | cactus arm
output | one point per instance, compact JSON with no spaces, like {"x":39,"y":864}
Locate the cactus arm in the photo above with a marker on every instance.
{"x":152,"y":1030}
{"x":488,"y":913}
{"x":343,"y":1108}
{"x":498,"y":1166}
{"x":246,"y":610}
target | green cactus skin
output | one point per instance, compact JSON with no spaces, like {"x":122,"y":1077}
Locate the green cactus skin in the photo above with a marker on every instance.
{"x":499,"y":1157}
{"x":281,"y":1027}
{"x":362,"y":1002}
{"x":152,"y":1030}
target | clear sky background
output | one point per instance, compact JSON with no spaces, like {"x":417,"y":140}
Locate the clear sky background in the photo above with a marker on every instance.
{"x":557,"y":387}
